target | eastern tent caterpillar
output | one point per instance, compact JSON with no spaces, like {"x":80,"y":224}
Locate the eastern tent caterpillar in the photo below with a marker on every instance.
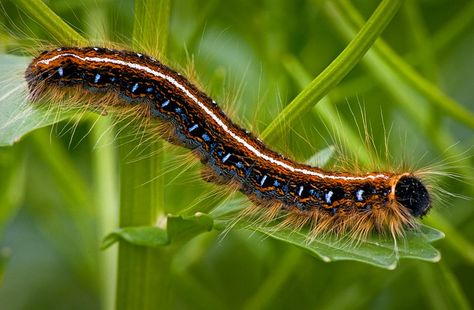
{"x":327,"y":201}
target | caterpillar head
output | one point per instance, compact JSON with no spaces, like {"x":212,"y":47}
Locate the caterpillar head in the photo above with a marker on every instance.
{"x":411,"y":193}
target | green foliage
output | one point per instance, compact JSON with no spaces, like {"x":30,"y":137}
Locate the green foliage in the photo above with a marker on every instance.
{"x":417,"y":76}
{"x":178,"y":231}
{"x":17,"y":115}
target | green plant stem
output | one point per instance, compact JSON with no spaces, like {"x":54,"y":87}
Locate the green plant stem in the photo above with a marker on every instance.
{"x":53,"y":24}
{"x":415,"y":80}
{"x":106,"y":202}
{"x":336,"y":71}
{"x":343,"y":133}
{"x":143,"y":273}
{"x":385,"y":65}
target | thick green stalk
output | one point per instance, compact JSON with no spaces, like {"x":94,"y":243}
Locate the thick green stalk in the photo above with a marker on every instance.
{"x":143,"y":273}
{"x":106,"y":202}
{"x":336,"y":71}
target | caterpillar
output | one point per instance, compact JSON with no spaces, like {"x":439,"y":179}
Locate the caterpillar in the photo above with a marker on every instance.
{"x":340,"y":202}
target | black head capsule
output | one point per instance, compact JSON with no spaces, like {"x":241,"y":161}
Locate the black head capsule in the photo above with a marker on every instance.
{"x":412,"y":194}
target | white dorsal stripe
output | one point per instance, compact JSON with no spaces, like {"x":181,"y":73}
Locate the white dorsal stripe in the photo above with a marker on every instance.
{"x":213,"y":116}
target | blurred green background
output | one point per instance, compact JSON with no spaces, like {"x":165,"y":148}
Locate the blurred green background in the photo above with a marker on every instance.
{"x":246,"y":54}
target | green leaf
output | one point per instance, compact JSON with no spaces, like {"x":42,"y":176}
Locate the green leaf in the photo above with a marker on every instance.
{"x":147,"y":236}
{"x":183,"y":228}
{"x":17,"y":115}
{"x":180,"y":229}
{"x":378,"y":250}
